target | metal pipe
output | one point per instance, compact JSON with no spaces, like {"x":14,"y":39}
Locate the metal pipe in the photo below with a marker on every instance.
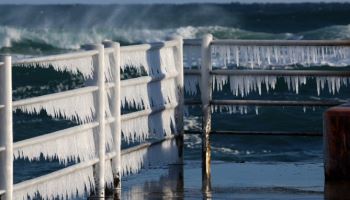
{"x":6,"y":131}
{"x":54,"y":96}
{"x":206,"y":95}
{"x":344,"y":73}
{"x":282,"y":42}
{"x":276,"y":103}
{"x":67,"y":56}
{"x":147,"y":79}
{"x":101,"y":119}
{"x":54,"y":175}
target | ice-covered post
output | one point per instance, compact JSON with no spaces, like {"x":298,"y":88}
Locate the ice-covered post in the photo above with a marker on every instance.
{"x":100,"y":115}
{"x":206,"y":93}
{"x":116,"y":113}
{"x":101,"y":120}
{"x":180,"y":85}
{"x":6,"y":140}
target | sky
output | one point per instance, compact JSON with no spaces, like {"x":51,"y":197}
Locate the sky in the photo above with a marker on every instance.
{"x":152,"y":1}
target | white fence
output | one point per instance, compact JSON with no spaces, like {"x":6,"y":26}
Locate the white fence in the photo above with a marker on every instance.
{"x":95,"y":144}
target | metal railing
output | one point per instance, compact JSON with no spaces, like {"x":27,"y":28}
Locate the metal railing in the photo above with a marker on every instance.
{"x":98,"y":54}
{"x":202,"y":52}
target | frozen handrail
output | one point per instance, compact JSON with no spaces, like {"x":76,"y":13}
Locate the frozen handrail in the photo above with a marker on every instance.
{"x":60,"y":57}
{"x":54,"y":96}
{"x":282,"y":42}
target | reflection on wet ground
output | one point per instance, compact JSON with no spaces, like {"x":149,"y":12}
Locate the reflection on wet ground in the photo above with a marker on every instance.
{"x":230,"y":181}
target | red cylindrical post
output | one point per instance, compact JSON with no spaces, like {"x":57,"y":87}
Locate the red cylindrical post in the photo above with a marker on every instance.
{"x":337,"y":143}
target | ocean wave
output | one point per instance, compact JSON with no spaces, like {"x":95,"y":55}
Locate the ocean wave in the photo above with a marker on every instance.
{"x":46,"y":40}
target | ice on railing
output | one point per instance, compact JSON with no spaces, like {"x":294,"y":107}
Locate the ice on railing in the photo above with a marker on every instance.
{"x":191,"y":84}
{"x":109,"y":63}
{"x":154,"y":61}
{"x":109,"y":174}
{"x":109,"y":138}
{"x":81,"y":148}
{"x":244,"y":85}
{"x":192,"y":56}
{"x":148,"y":95}
{"x":224,"y":56}
{"x":76,"y":108}
{"x":132,"y":163}
{"x":85,"y":66}
{"x":159,"y":124}
{"x":232,"y":109}
{"x":154,"y":156}
{"x":76,"y":184}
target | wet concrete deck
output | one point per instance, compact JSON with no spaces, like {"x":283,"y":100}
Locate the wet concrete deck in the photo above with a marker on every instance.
{"x":229,"y":181}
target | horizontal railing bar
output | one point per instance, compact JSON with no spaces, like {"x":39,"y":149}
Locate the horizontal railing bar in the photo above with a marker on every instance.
{"x":2,"y":106}
{"x":282,"y":42}
{"x":2,"y":149}
{"x":146,"y":79}
{"x":54,"y":175}
{"x":192,"y":72}
{"x":281,"y":73}
{"x":151,"y":111}
{"x":192,"y":42}
{"x":262,"y":133}
{"x":2,"y":192}
{"x":67,"y":56}
{"x":277,"y":103}
{"x":54,"y":135}
{"x":54,"y":96}
{"x":147,"y":145}
{"x":150,"y":46}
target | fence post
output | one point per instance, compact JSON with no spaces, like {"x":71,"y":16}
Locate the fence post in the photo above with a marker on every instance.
{"x":181,"y":101}
{"x":6,"y":133}
{"x":101,"y":120}
{"x":206,"y":94}
{"x":116,"y":113}
{"x":100,"y":116}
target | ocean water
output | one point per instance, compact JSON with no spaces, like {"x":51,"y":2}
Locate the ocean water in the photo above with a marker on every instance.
{"x":40,"y":30}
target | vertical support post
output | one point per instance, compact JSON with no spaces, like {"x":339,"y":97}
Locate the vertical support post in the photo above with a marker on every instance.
{"x":181,"y":100}
{"x":100,"y":115}
{"x":336,"y":138}
{"x":101,"y":120}
{"x":206,"y":94}
{"x":6,"y":134}
{"x":116,"y":113}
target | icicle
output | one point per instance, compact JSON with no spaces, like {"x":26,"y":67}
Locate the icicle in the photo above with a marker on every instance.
{"x":148,"y":95}
{"x":219,"y":81}
{"x":159,"y":124}
{"x":131,"y":163}
{"x":136,"y":129}
{"x":81,"y":147}
{"x":84,"y":66}
{"x":76,"y":108}
{"x":76,"y":184}
{"x":278,"y":56}
{"x":109,"y":63}
{"x":191,"y":84}
{"x":109,"y":138}
{"x":109,"y":174}
{"x":155,"y":61}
